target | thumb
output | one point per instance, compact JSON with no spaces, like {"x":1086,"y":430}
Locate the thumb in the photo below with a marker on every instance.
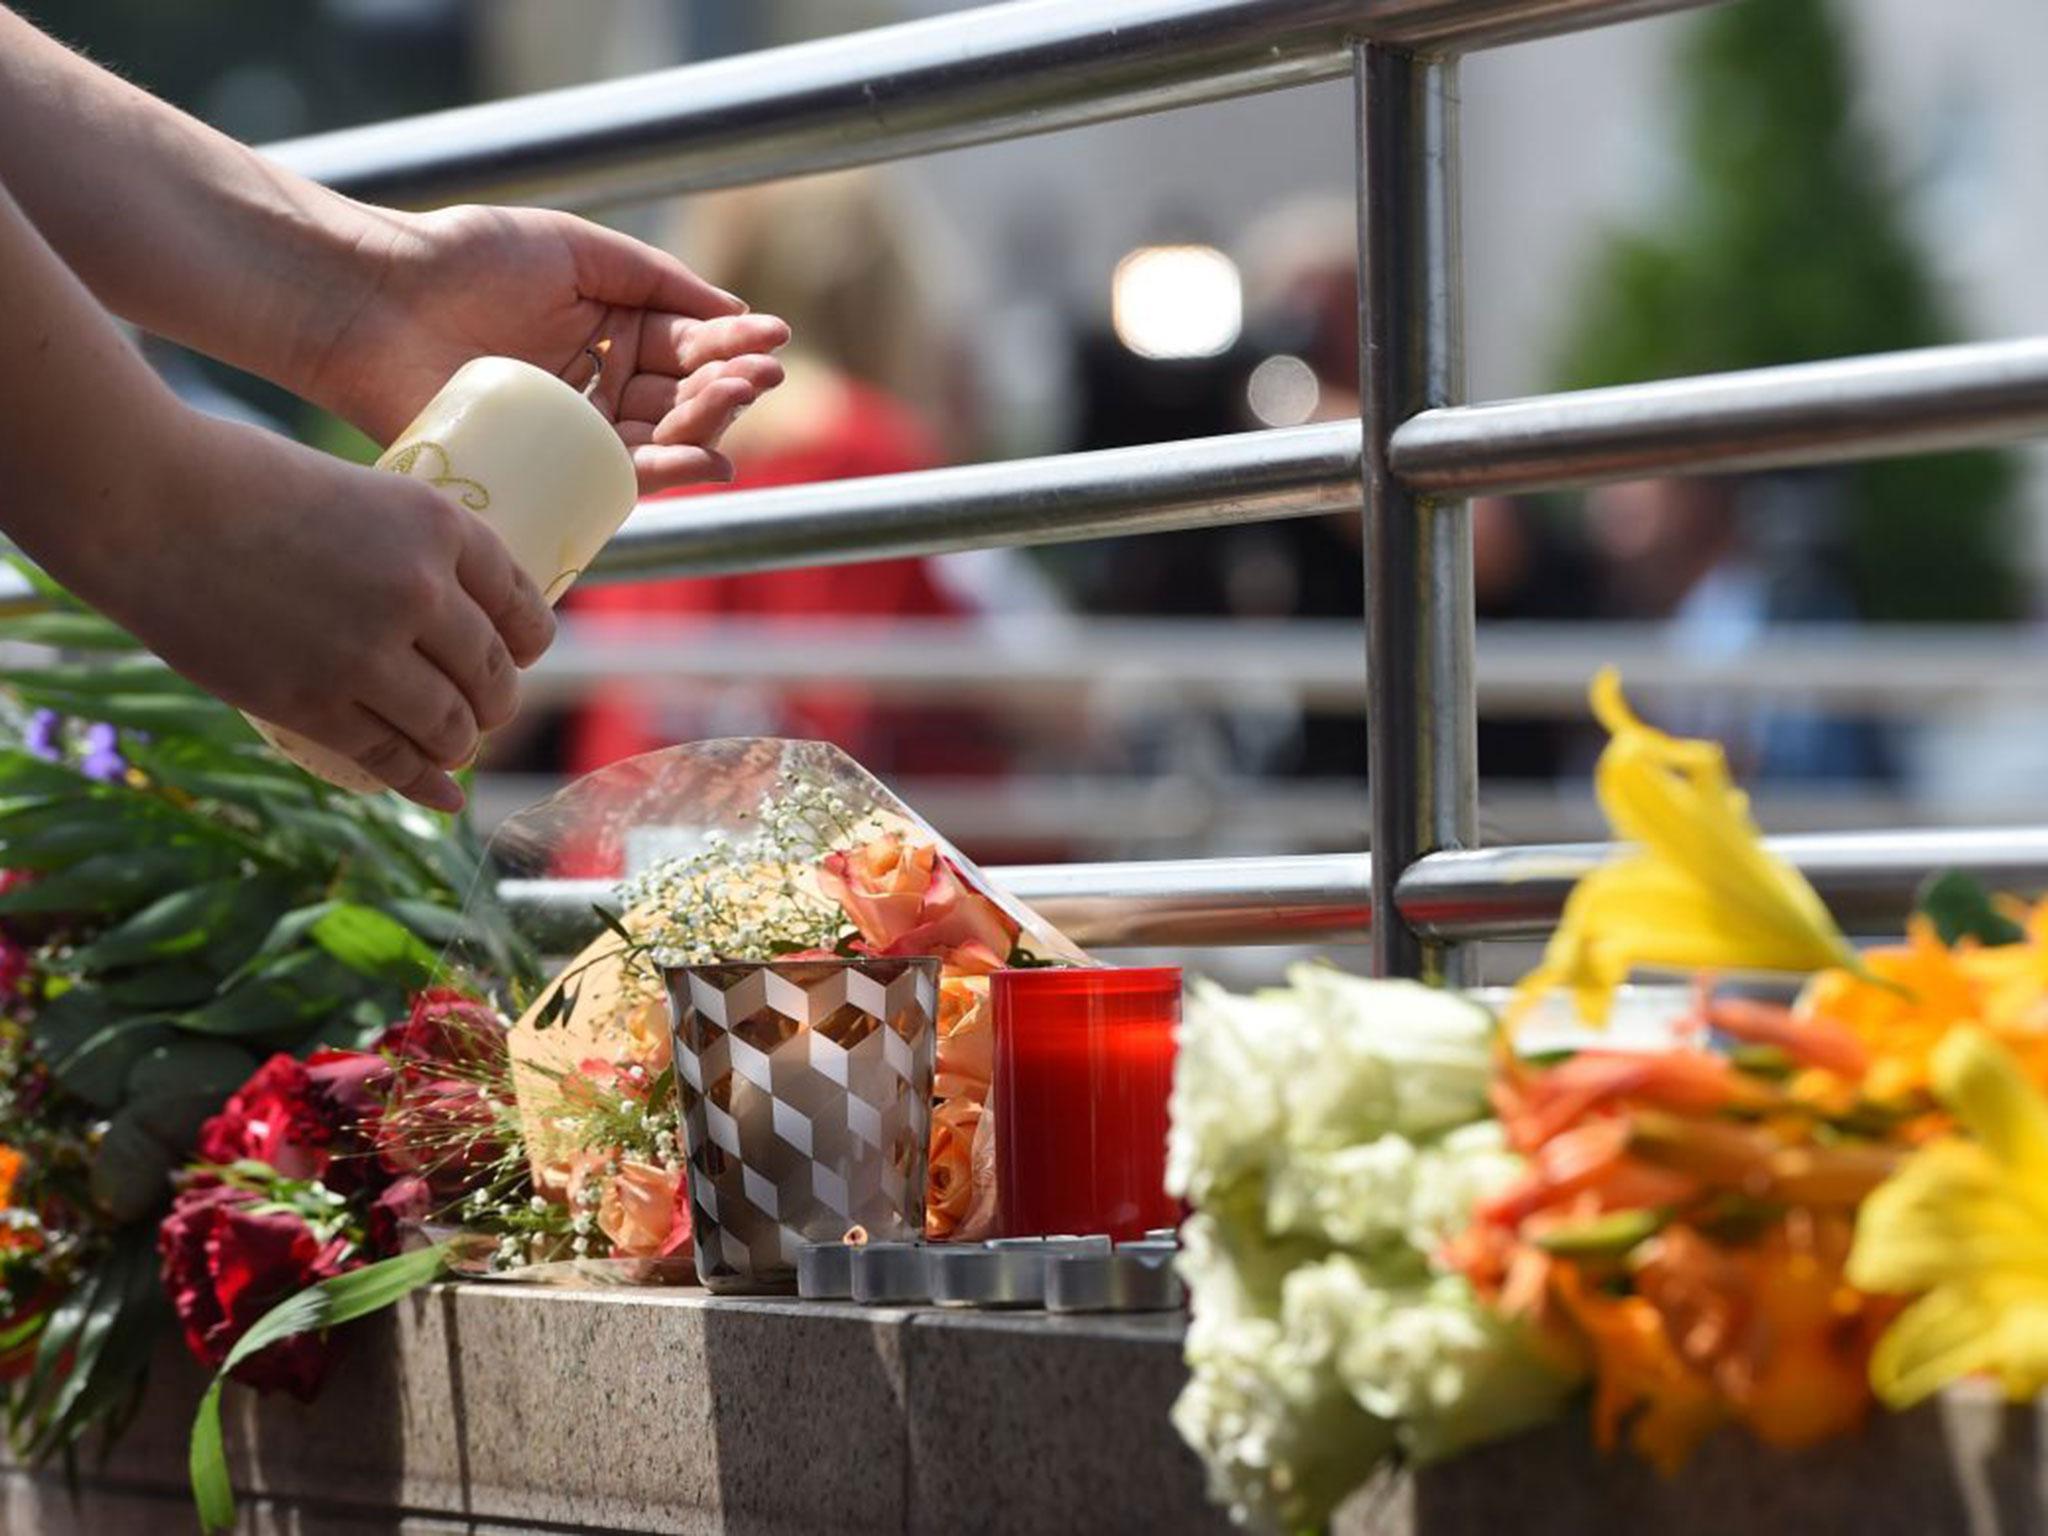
{"x":612,"y":268}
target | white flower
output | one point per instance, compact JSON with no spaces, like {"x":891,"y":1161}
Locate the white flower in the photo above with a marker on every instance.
{"x":1333,"y":1136}
{"x":1453,"y":1175}
{"x":1395,"y":1056}
{"x":1282,"y":1439}
{"x":1229,"y":1104}
{"x":1352,"y":1197}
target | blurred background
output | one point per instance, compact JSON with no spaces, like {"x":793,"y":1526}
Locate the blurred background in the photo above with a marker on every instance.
{"x":1765,"y":182}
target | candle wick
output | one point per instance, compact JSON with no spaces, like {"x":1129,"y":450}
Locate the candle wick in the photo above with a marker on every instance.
{"x":596,"y":356}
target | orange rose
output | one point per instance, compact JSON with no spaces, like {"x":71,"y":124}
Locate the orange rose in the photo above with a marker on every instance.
{"x":643,"y":1209}
{"x":980,"y":1220}
{"x":881,"y":886}
{"x":637,"y":1210}
{"x":649,"y":1042}
{"x":910,"y":901}
{"x":967,"y":1045}
{"x":960,"y":1194}
{"x":949,"y":1189}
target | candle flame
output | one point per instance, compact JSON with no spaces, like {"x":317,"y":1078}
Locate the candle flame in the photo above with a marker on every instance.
{"x":596,"y":355}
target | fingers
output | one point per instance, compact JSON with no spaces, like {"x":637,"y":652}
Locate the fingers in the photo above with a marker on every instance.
{"x":678,"y":344}
{"x":662,"y":468}
{"x":387,"y":756}
{"x":616,"y":269}
{"x":507,"y":596}
{"x":700,"y":407}
{"x":467,"y":647}
{"x":420,"y":701}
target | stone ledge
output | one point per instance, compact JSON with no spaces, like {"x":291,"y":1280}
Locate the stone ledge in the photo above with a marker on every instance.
{"x":498,"y":1409}
{"x":630,"y":1411}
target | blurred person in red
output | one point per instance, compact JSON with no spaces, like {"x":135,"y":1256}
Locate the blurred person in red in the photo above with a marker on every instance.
{"x":848,"y":259}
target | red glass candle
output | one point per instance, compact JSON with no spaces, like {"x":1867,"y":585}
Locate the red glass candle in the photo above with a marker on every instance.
{"x":1084,"y":1063}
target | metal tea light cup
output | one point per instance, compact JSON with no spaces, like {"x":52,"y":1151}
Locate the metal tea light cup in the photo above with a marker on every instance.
{"x":805,"y":1094}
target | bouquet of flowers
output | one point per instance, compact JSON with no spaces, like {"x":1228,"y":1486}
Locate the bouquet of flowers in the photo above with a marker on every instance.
{"x":1778,"y":1217}
{"x":177,"y":904}
{"x":545,"y":1146}
{"x":752,"y":850}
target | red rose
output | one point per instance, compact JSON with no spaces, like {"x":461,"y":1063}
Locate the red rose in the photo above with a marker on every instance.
{"x":447,"y":1028}
{"x":348,"y":1091}
{"x":439,"y":1123}
{"x":226,"y":1263}
{"x":443,"y":1130}
{"x":348,"y":1086}
{"x":405,"y":1202}
{"x":271,"y":1119}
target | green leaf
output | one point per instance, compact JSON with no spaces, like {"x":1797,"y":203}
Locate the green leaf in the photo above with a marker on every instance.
{"x":23,"y":773}
{"x":1602,"y":1237}
{"x":173,"y":1086}
{"x":614,"y":924}
{"x":374,"y":944}
{"x":484,"y":931}
{"x":107,"y":882}
{"x":40,"y":581}
{"x":97,"y":1070}
{"x":157,"y":713}
{"x":1960,"y":908}
{"x":66,"y":1022}
{"x":234,"y":773}
{"x":132,"y":675}
{"x":153,"y":988}
{"x":66,"y":1320}
{"x":123,"y":1295}
{"x":67,"y":631}
{"x":284,"y":935}
{"x":328,"y":1304}
{"x":171,"y":925}
{"x":56,"y":837}
{"x":131,"y":1170}
{"x":277,"y":1000}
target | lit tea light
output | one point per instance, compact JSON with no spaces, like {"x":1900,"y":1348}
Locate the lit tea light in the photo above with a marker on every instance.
{"x":530,"y":455}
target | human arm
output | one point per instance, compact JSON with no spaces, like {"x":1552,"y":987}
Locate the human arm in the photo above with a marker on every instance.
{"x":364,"y":311}
{"x":363,"y":610}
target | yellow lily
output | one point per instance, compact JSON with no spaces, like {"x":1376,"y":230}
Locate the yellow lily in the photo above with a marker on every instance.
{"x":1965,"y":1223}
{"x":1698,"y":892}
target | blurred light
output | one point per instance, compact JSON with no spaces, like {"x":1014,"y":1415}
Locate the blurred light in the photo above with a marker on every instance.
{"x":1283,"y":391}
{"x":1177,"y":301}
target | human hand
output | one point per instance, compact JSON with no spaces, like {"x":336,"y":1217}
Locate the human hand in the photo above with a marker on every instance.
{"x":445,"y":287}
{"x":363,"y":610}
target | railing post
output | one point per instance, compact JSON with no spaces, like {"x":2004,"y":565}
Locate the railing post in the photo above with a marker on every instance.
{"x":1422,"y":743}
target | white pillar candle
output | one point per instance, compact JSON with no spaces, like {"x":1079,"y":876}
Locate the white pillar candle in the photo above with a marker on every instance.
{"x":533,"y":459}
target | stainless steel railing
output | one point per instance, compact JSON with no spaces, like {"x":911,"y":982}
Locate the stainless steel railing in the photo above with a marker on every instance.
{"x":999,"y":72}
{"x":1868,"y":879}
{"x":1910,"y":672}
{"x":1011,"y":70}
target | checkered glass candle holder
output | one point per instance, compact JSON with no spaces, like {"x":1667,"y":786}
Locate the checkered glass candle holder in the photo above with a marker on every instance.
{"x":806,"y":1105}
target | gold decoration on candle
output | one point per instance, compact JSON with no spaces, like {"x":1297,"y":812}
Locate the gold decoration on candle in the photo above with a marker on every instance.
{"x":440,"y":473}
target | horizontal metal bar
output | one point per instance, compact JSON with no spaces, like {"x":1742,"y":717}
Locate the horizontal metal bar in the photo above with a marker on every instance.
{"x":1002,"y":71}
{"x":1309,"y":899}
{"x":1868,"y":879}
{"x":1299,"y":899}
{"x":1535,"y":668}
{"x":1881,"y":406}
{"x":1203,"y":482}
